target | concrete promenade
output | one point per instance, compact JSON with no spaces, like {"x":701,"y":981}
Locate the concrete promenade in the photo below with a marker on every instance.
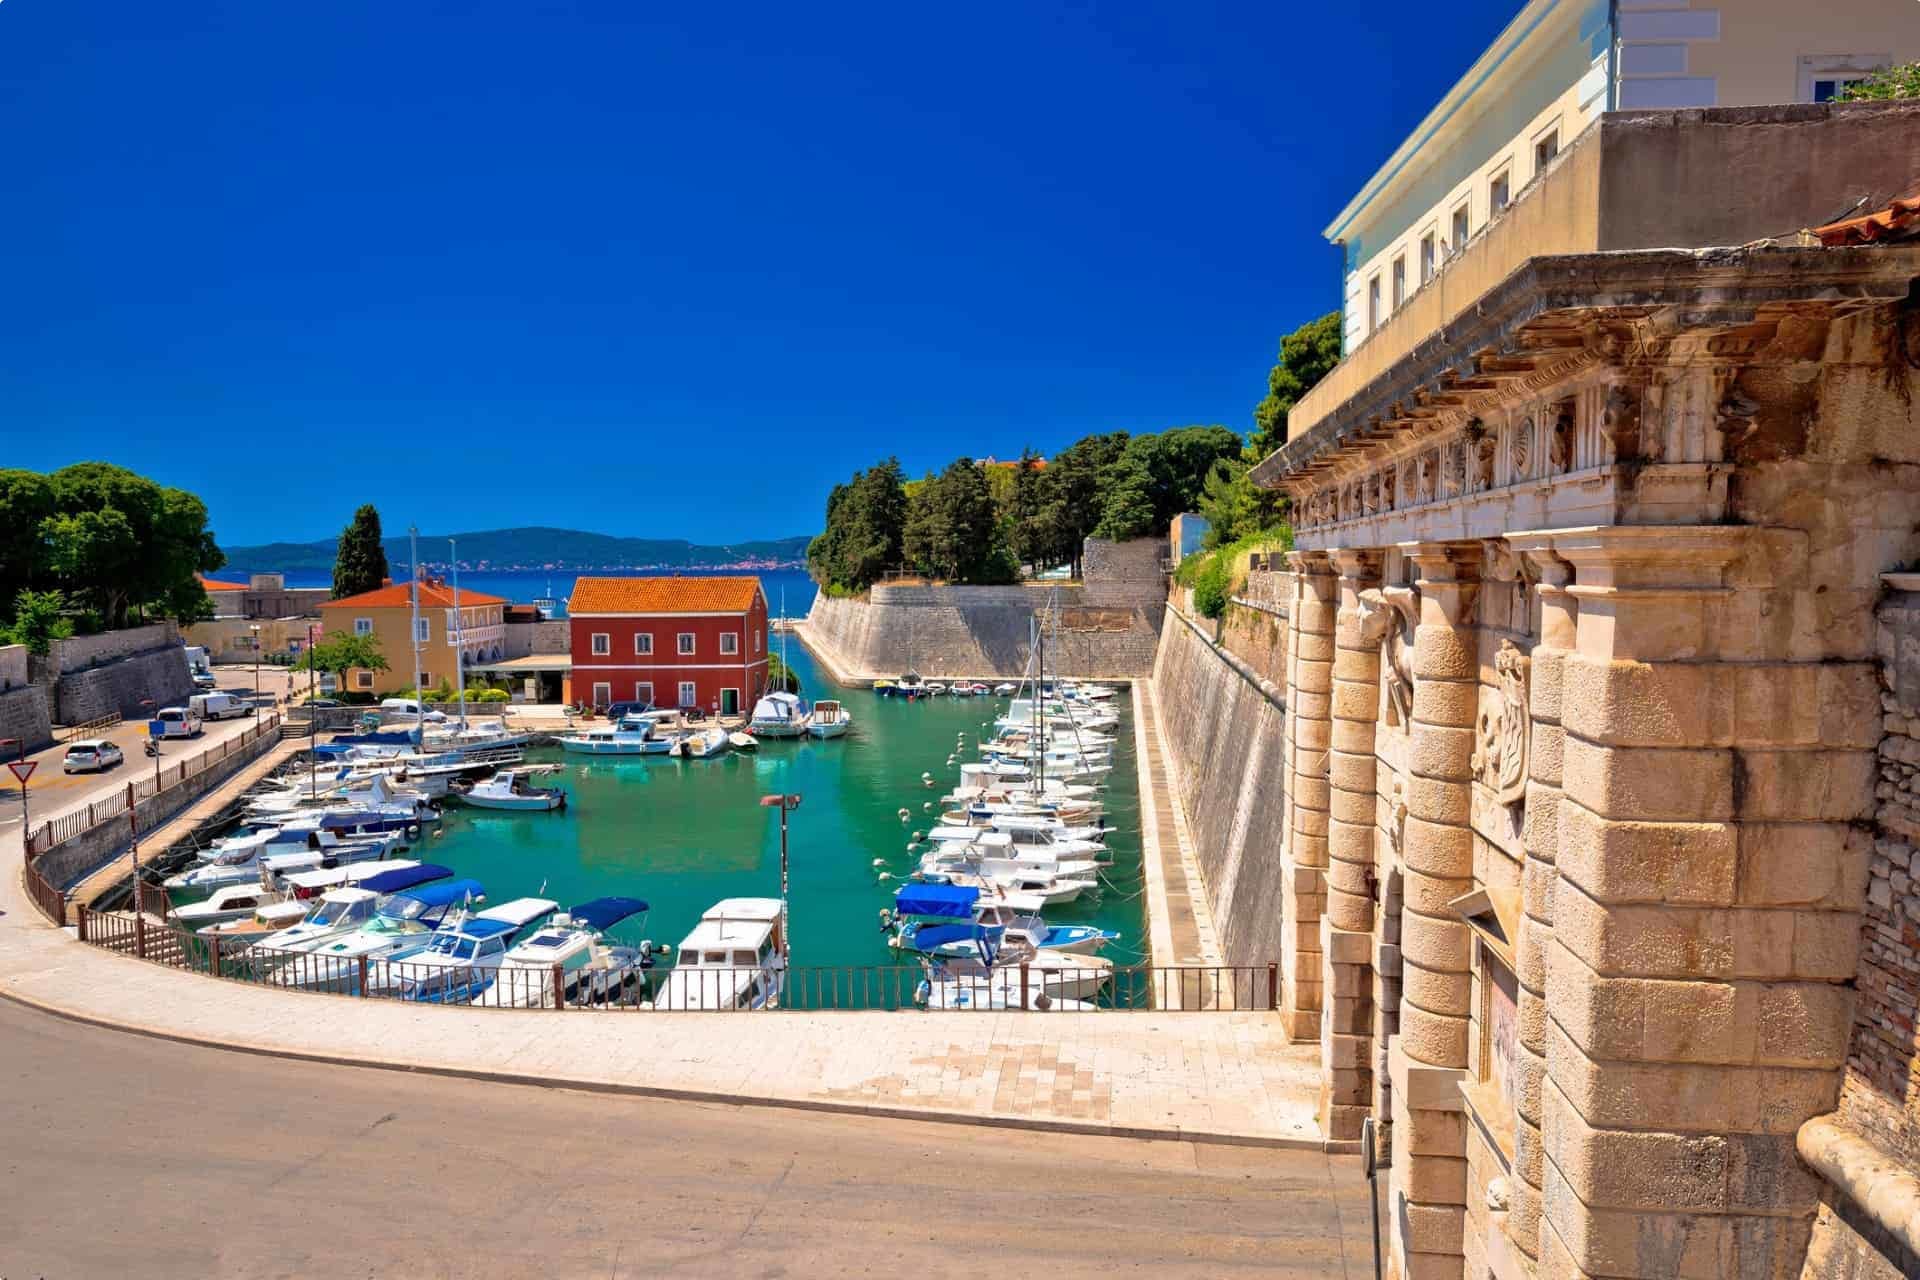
{"x":1205,"y":1076}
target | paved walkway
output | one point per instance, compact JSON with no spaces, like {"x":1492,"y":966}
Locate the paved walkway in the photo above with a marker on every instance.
{"x":1209,"y":1076}
{"x":1180,"y":918}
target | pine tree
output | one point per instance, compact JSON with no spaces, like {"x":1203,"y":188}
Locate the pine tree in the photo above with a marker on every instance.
{"x":361,"y":563}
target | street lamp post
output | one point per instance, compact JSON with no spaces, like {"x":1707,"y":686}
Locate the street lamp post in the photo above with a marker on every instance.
{"x":785,"y":804}
{"x":146,"y":705}
{"x":255,"y":628}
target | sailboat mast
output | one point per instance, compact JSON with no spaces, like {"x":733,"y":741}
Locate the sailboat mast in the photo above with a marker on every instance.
{"x":459,"y":632}
{"x":413,"y":601}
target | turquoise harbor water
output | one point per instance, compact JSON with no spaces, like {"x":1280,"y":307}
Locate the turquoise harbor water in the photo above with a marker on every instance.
{"x":683,"y":834}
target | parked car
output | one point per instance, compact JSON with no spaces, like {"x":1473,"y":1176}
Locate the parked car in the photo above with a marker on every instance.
{"x":619,"y":709}
{"x":204,"y":680}
{"x":218,"y":706}
{"x":178,"y":722}
{"x":407,"y":708}
{"x":91,"y":756}
{"x":324,"y":702}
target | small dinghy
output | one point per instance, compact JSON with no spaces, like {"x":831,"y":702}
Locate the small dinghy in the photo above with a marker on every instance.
{"x":743,"y":742}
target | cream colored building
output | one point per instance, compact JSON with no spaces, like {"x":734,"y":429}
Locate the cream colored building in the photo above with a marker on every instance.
{"x":475,"y":633}
{"x":1557,"y":67}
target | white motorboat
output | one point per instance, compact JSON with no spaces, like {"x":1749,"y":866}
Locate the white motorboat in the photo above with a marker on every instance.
{"x":241,"y":860}
{"x":267,"y":919}
{"x":334,"y":912}
{"x":1048,"y":890}
{"x":1068,"y":977}
{"x":829,"y":720}
{"x":743,"y":742}
{"x":699,"y":744}
{"x":779,"y":715}
{"x":401,"y":922}
{"x":303,"y":886}
{"x":226,"y":904}
{"x":1006,"y":687}
{"x":995,"y":989}
{"x":512,"y":789}
{"x":477,"y":735}
{"x":735,"y":958}
{"x":948,"y":920}
{"x":908,"y":686}
{"x":460,"y":961}
{"x":593,"y":968}
{"x":1057,"y":844}
{"x":634,"y":735}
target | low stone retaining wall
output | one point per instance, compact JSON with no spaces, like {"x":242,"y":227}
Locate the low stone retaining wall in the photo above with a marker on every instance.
{"x":1223,"y":724}
{"x":24,"y":715}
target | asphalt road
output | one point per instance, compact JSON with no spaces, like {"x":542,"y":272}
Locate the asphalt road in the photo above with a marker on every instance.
{"x":54,"y":792}
{"x":124,"y":1155}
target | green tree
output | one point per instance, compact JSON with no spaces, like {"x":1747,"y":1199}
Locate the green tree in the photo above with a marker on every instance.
{"x":866,"y":519}
{"x":38,"y":621}
{"x":1306,"y":355}
{"x":1033,"y":541}
{"x":1076,"y":502}
{"x":116,"y":540}
{"x":360,"y":564}
{"x":339,"y":652}
{"x":1883,"y":85}
{"x":26,"y":502}
{"x":953,"y":530}
{"x":1127,"y":508}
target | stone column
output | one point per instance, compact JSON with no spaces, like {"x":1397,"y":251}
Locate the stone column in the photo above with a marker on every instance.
{"x":1346,"y":941}
{"x":1558,"y":613}
{"x":1428,"y":1058}
{"x":1705,"y":911}
{"x":1309,"y":703}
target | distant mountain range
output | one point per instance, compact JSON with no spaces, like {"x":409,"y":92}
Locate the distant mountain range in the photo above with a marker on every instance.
{"x":536,"y":548}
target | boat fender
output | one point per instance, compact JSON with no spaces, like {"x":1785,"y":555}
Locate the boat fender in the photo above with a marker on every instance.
{"x":413,"y":831}
{"x":926,"y":806}
{"x":880,"y":862}
{"x":886,"y":914}
{"x":918,"y":836}
{"x":885,"y":876}
{"x":926,"y":782}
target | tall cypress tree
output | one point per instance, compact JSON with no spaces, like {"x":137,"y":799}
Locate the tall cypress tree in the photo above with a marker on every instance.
{"x":361,"y":563}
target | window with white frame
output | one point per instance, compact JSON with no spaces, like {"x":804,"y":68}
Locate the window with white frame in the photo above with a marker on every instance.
{"x":363,"y":680}
{"x":1499,"y":192}
{"x":643,"y":691}
{"x":1373,"y":304}
{"x":686,"y":644}
{"x":1545,"y":148}
{"x":1462,"y":228}
{"x":602,"y":644}
{"x":423,"y":629}
{"x":1823,"y":76}
{"x":642,"y":643}
{"x":602,"y":694}
{"x":756,"y":640}
{"x":1427,"y":258}
{"x":363,"y":626}
{"x":689,"y":694}
{"x":729,"y":642}
{"x":1399,"y":281}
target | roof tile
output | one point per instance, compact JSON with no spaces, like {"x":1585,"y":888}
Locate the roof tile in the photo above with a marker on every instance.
{"x":395,"y":595}
{"x":663,"y":595}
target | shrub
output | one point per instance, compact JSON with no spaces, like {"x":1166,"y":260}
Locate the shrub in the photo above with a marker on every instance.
{"x":1214,"y":586}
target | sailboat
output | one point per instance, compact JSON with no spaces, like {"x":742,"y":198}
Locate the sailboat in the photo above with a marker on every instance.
{"x":780,"y":714}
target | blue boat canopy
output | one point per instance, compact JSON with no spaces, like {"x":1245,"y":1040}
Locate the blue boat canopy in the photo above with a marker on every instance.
{"x":445,"y":895}
{"x":405,"y":877}
{"x":604,"y":913}
{"x":952,"y":902}
{"x":487,"y":928}
{"x":927,"y":937}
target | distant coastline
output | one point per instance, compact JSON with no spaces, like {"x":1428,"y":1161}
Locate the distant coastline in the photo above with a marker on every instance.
{"x":537,"y":551}
{"x":524,"y":586}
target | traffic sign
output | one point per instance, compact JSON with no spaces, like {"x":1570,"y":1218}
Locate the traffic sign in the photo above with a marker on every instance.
{"x":22,"y":770}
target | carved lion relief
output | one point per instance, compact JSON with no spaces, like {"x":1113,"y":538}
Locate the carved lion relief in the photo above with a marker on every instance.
{"x":1620,"y":422}
{"x":1429,"y":464}
{"x":1388,"y":616}
{"x":1485,"y":450}
{"x":1560,"y":442}
{"x":1454,"y":469}
{"x":1503,"y":730}
{"x":1520,"y":451}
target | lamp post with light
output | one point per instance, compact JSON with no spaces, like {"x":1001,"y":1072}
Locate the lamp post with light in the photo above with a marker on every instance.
{"x":255,"y":628}
{"x":785,"y":804}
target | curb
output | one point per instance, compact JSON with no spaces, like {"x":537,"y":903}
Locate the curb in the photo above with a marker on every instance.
{"x":929,"y":1115}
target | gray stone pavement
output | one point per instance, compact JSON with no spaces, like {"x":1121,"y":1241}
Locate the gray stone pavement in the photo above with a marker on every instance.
{"x":130,"y":1156}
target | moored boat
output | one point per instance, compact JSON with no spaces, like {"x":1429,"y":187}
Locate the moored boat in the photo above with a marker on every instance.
{"x":593,"y":968}
{"x":829,"y":720}
{"x":735,"y":958}
{"x":779,"y":715}
{"x":510,"y":789}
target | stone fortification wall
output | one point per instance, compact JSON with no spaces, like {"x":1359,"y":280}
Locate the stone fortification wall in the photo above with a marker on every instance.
{"x":23,"y":715}
{"x":84,"y":652}
{"x":1108,"y":625}
{"x":1880,"y":1090}
{"x":1254,"y":628}
{"x":1223,"y":733}
{"x":119,"y":686}
{"x":13,"y":666}
{"x":524,"y":639}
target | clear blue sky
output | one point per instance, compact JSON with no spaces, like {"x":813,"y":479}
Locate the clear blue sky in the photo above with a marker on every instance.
{"x":662,"y":270}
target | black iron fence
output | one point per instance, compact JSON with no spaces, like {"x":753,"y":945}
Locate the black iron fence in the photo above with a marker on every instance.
{"x":458,"y":978}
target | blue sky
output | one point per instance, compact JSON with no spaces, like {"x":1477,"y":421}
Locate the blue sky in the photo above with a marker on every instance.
{"x":662,"y":270}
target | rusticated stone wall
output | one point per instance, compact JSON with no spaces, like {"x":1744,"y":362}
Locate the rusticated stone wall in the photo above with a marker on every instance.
{"x":120,"y":686}
{"x":1224,"y":736}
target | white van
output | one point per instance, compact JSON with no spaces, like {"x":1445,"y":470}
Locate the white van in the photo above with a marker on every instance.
{"x":178,"y":722}
{"x":407,"y":709}
{"x":218,"y":706}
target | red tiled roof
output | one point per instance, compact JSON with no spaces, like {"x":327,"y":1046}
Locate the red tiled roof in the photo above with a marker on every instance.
{"x":1899,"y":220}
{"x":208,"y":584}
{"x":663,"y":595}
{"x":395,"y":595}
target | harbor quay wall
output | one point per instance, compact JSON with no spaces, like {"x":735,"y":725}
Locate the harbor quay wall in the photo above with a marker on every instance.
{"x":72,"y":861}
{"x":1106,"y":625}
{"x":24,"y":713}
{"x":88,"y":677}
{"x":1223,"y":725}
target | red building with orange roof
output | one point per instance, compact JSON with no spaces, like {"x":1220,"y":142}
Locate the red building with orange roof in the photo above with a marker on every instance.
{"x":673,"y":642}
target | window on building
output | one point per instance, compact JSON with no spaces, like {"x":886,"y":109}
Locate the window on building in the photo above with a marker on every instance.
{"x":602,"y":694}
{"x":1461,"y":228}
{"x":1827,"y":87}
{"x":602,"y":644}
{"x":686,"y":644}
{"x":1499,"y":192}
{"x":1545,"y":148}
{"x":1373,"y":304}
{"x":643,"y":691}
{"x":1426,"y":257}
{"x":756,"y":640}
{"x":689,"y":694}
{"x":363,"y":680}
{"x":423,"y":629}
{"x":729,"y":642}
{"x":363,"y":626}
{"x":1399,"y":281}
{"x":642,"y":643}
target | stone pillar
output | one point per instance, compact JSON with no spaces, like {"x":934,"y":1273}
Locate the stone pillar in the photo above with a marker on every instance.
{"x":1346,"y":931}
{"x":1704,"y":917}
{"x":1309,"y":723}
{"x":1428,"y":1058}
{"x":1558,"y":613}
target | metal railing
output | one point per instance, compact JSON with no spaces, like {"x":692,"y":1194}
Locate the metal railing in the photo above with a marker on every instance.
{"x":72,"y":732}
{"x":1096,"y":988}
{"x":52,"y":902}
{"x":76,"y":822}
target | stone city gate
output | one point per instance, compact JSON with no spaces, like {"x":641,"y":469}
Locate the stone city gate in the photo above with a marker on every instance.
{"x":1584,"y":716}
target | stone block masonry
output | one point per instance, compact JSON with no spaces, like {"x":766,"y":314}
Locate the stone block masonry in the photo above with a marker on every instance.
{"x":120,"y":685}
{"x":1106,"y":625}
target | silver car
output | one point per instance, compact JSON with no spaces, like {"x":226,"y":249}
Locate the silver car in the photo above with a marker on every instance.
{"x":91,"y":756}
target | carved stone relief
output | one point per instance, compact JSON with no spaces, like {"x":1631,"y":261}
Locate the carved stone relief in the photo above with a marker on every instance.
{"x":1454,"y":469}
{"x":1620,"y":422}
{"x":1388,"y":616}
{"x":1560,"y":441}
{"x":1520,"y":451}
{"x":1502,"y":733}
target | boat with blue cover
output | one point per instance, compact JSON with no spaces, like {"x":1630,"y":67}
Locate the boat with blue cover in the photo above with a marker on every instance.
{"x":594,"y":968}
{"x":632,"y":735}
{"x":460,"y":962}
{"x":401,"y":923}
{"x":953,"y":920}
